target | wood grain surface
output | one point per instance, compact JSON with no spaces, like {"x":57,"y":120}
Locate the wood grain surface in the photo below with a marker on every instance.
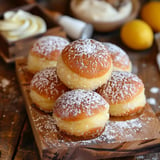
{"x":12,"y":111}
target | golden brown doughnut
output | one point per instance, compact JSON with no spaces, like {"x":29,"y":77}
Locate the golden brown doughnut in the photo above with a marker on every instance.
{"x":121,"y":61}
{"x":84,"y":64}
{"x":124,"y":92}
{"x":45,"y":88}
{"x":45,"y":52}
{"x":81,"y":113}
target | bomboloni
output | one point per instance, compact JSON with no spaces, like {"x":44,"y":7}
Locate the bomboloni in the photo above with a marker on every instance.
{"x":45,"y":52}
{"x":81,"y":113}
{"x":84,"y":64}
{"x":124,"y":92}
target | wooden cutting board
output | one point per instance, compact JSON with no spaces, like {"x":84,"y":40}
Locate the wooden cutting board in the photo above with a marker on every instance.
{"x":122,"y":137}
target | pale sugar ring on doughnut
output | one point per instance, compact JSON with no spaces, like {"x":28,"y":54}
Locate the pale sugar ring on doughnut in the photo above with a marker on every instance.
{"x":121,"y":61}
{"x":45,"y":88}
{"x":84,"y":64}
{"x":124,"y":92}
{"x":81,"y":113}
{"x":45,"y":52}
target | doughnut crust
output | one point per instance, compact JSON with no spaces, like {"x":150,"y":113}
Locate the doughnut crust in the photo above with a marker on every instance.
{"x":45,"y":88}
{"x":84,"y":64}
{"x":121,"y":61}
{"x":45,"y":52}
{"x":124,"y":92}
{"x":81,"y":113}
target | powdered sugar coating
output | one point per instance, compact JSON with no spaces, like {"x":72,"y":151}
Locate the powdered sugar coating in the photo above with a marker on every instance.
{"x":119,"y":56}
{"x":47,"y":83}
{"x":47,"y":44}
{"x":79,"y":102}
{"x":122,"y":86}
{"x":87,"y":57}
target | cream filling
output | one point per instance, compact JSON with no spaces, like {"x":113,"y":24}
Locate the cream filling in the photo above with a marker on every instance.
{"x":35,"y":64}
{"x":41,"y":102}
{"x":73,"y":80}
{"x":78,"y":128}
{"x":120,"y":109}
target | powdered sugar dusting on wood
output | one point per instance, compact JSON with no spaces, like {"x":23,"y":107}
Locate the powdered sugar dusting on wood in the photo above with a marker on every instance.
{"x":45,"y":126}
{"x":115,"y":130}
{"x":77,"y":102}
{"x":121,"y":128}
{"x":120,"y":87}
{"x":47,"y":44}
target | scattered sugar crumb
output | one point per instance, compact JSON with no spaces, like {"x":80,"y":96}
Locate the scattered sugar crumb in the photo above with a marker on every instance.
{"x":141,"y":157}
{"x":154,"y":90}
{"x":4,"y":116}
{"x":151,"y":156}
{"x":151,"y":101}
{"x":5,"y":83}
{"x":135,"y":69}
{"x":159,"y":107}
{"x":144,"y":65}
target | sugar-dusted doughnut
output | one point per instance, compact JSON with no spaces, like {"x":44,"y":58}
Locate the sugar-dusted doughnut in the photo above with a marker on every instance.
{"x":45,"y":88}
{"x":45,"y":52}
{"x":81,"y":113}
{"x":121,"y":61}
{"x":124,"y":92}
{"x":84,"y":64}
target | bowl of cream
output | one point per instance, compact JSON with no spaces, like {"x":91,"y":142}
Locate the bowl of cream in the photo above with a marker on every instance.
{"x":103,"y":15}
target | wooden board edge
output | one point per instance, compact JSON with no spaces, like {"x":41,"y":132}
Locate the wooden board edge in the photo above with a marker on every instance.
{"x":19,"y":60}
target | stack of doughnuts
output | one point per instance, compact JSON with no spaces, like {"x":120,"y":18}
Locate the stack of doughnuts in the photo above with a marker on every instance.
{"x":89,"y":83}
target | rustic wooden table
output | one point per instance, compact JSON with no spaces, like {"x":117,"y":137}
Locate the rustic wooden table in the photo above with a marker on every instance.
{"x":16,"y":137}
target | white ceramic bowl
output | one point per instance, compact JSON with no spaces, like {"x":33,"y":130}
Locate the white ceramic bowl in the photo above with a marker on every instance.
{"x":102,"y":26}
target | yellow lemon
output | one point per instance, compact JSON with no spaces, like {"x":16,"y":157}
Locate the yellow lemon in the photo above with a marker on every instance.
{"x":137,"y":35}
{"x":150,"y":13}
